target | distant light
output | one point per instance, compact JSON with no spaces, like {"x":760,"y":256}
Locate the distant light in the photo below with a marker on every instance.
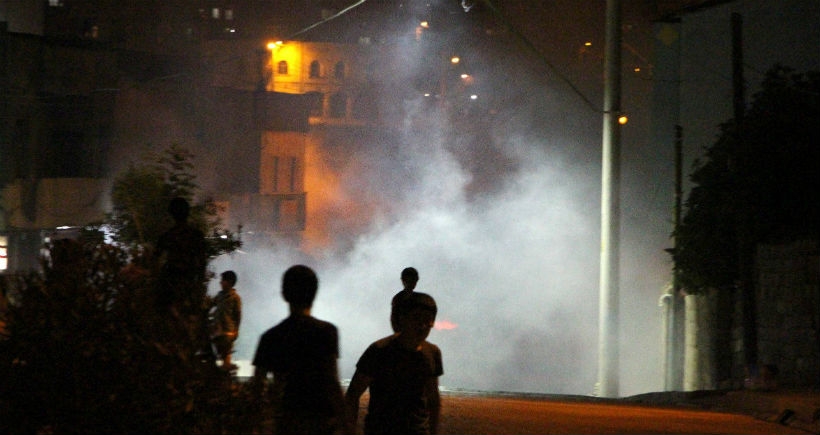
{"x":637,"y":69}
{"x":465,"y":76}
{"x":425,"y":24}
{"x":474,"y":97}
{"x":274,"y":45}
{"x":623,"y":119}
{"x":426,"y":94}
{"x":444,"y":325}
{"x":455,"y":59}
{"x":588,"y":44}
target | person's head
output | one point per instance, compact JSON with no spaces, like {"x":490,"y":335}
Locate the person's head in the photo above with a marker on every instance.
{"x":179,"y":209}
{"x":299,"y":285}
{"x":228,"y":279}
{"x":415,"y":315}
{"x":409,"y":277}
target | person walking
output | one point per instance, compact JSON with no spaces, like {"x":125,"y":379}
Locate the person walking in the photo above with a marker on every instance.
{"x":301,"y":352}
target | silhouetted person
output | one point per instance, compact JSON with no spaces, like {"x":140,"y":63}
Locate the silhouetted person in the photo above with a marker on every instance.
{"x":225,"y":318}
{"x":182,"y":254}
{"x":409,"y":278}
{"x":402,"y":372}
{"x":302,"y":353}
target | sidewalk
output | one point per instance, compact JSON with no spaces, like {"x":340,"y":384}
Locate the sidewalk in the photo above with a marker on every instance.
{"x":795,"y":408}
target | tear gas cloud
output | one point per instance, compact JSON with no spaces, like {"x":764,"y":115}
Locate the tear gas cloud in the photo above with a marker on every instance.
{"x":514,"y":270}
{"x":503,"y":223}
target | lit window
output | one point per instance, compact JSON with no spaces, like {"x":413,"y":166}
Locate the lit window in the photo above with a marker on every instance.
{"x":55,"y":3}
{"x":215,"y":13}
{"x":4,"y":253}
{"x":314,"y":69}
{"x":339,"y":70}
{"x":282,"y":67}
{"x":228,"y":14}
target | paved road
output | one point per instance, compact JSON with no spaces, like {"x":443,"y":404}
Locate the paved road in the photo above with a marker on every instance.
{"x":466,"y":414}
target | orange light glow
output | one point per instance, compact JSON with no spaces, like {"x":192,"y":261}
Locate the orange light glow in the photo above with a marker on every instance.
{"x":623,"y":120}
{"x":444,"y":325}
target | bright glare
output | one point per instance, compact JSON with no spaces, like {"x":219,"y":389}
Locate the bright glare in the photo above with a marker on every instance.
{"x":623,"y":119}
{"x":455,"y":59}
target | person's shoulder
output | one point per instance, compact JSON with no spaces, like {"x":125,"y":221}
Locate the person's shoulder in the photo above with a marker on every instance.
{"x":403,"y":293}
{"x":384,"y":342}
{"x":430,"y":347}
{"x":323,"y":324}
{"x":275,"y":330}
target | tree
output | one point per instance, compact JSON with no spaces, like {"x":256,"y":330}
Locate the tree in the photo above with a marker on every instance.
{"x":765,"y":168}
{"x":85,"y":348}
{"x":141,"y":194}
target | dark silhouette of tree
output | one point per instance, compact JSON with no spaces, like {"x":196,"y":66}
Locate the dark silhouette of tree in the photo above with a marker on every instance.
{"x":141,"y":194}
{"x":765,"y":171}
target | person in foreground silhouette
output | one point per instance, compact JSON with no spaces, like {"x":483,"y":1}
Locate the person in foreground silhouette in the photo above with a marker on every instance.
{"x":302,"y":353}
{"x":402,"y":372}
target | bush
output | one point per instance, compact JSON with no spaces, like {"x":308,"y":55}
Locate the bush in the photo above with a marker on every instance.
{"x":87,"y":350}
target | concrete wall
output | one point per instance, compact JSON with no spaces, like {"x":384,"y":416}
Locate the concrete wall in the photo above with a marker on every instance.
{"x":788,"y":311}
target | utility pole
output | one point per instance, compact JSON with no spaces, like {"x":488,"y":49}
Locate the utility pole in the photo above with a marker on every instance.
{"x":608,"y":322}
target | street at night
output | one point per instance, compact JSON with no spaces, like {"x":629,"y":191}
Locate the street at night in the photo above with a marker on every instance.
{"x":606,"y":206}
{"x":476,"y":414}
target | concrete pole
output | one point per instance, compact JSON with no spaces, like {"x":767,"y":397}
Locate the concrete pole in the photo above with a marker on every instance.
{"x":608,"y":322}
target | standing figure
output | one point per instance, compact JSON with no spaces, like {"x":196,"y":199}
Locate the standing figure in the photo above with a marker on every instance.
{"x":225,"y":318}
{"x":182,"y":255}
{"x":409,"y":279}
{"x":402,"y":373}
{"x":302,"y":353}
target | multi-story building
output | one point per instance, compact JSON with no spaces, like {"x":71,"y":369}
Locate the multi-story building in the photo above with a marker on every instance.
{"x":87,"y":85}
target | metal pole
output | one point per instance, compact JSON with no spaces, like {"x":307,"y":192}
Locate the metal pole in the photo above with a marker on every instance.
{"x":608,"y":353}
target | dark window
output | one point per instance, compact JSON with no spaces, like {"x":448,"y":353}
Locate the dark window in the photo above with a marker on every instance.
{"x":339,"y":70}
{"x":316,"y":101}
{"x":338,"y":105}
{"x":314,"y":69}
{"x":282,"y":67}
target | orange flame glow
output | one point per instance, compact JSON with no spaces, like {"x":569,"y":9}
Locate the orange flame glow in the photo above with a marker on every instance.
{"x":444,"y":325}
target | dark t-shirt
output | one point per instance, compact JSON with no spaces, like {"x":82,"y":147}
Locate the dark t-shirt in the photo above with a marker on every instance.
{"x":302,"y":350}
{"x":398,"y":396}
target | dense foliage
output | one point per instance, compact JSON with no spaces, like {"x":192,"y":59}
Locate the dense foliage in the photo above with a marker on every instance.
{"x":141,"y":194}
{"x":87,"y":349}
{"x":761,"y":175}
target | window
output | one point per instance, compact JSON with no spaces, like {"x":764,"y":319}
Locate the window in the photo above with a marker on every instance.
{"x":339,"y":70}
{"x":338,"y":105}
{"x":276,"y":174}
{"x":228,"y":14}
{"x":294,"y":166}
{"x":4,"y":253}
{"x":215,"y":13}
{"x":282,"y":67}
{"x":316,"y":103}
{"x":314,"y":69}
